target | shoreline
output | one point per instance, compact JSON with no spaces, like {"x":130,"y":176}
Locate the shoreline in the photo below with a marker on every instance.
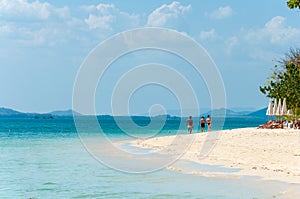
{"x":267,"y":154}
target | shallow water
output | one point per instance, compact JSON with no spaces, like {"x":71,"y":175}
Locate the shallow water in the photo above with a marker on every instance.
{"x":48,"y":160}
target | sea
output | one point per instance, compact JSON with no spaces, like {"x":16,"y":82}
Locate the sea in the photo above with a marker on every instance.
{"x":45,"y":158}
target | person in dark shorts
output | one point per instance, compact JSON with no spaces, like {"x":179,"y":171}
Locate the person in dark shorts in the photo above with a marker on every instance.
{"x":202,"y":123}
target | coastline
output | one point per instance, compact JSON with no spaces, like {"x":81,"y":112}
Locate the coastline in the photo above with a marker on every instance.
{"x":267,"y":154}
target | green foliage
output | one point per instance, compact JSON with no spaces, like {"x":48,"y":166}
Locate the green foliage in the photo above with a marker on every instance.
{"x":285,"y":81}
{"x":293,"y":4}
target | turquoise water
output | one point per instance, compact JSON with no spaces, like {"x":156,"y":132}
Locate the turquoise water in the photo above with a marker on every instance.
{"x":45,"y":159}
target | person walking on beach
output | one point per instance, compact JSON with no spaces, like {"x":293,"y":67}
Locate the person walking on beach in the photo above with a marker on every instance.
{"x":202,"y":123}
{"x":189,"y":123}
{"x":208,"y":121}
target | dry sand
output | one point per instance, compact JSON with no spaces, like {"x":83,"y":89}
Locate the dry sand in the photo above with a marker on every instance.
{"x":269,"y":154}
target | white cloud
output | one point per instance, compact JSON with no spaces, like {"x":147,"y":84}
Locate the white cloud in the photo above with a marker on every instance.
{"x":276,"y":31}
{"x":25,"y":10}
{"x":208,"y":34}
{"x":107,"y":8}
{"x":221,"y":13}
{"x":230,"y":43}
{"x":62,"y":25}
{"x":15,"y":29}
{"x":63,"y":13}
{"x":28,"y":36}
{"x":165,"y":13}
{"x":102,"y":8}
{"x":99,"y":22}
{"x":103,"y":16}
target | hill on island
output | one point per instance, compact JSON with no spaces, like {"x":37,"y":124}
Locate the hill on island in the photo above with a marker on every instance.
{"x":10,"y":113}
{"x":259,"y":113}
{"x":7,"y":112}
{"x":222,"y":112}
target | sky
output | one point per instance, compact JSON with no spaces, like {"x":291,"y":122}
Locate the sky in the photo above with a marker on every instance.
{"x":44,"y":43}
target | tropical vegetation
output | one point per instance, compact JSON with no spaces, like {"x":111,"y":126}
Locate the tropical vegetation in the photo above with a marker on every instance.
{"x":285,"y":81}
{"x":293,"y":4}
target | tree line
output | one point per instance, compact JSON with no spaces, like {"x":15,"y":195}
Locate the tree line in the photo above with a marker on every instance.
{"x":284,"y":82}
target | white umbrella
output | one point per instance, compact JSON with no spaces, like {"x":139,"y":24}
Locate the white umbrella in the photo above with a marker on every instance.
{"x":275,"y":107}
{"x":278,"y":111}
{"x":270,"y":109}
{"x":289,"y":112}
{"x":284,"y":109}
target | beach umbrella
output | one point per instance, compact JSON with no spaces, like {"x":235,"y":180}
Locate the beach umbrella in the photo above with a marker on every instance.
{"x":289,"y":112}
{"x":278,"y":111}
{"x":283,"y":108}
{"x":270,"y":109}
{"x":275,"y":107}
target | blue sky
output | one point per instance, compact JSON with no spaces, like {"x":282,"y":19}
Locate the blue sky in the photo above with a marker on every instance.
{"x":43,"y":44}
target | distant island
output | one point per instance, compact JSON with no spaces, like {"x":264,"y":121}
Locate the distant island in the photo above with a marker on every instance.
{"x":10,"y":113}
{"x":69,"y":112}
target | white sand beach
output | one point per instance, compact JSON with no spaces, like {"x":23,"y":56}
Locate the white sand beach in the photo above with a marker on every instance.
{"x":270,"y":154}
